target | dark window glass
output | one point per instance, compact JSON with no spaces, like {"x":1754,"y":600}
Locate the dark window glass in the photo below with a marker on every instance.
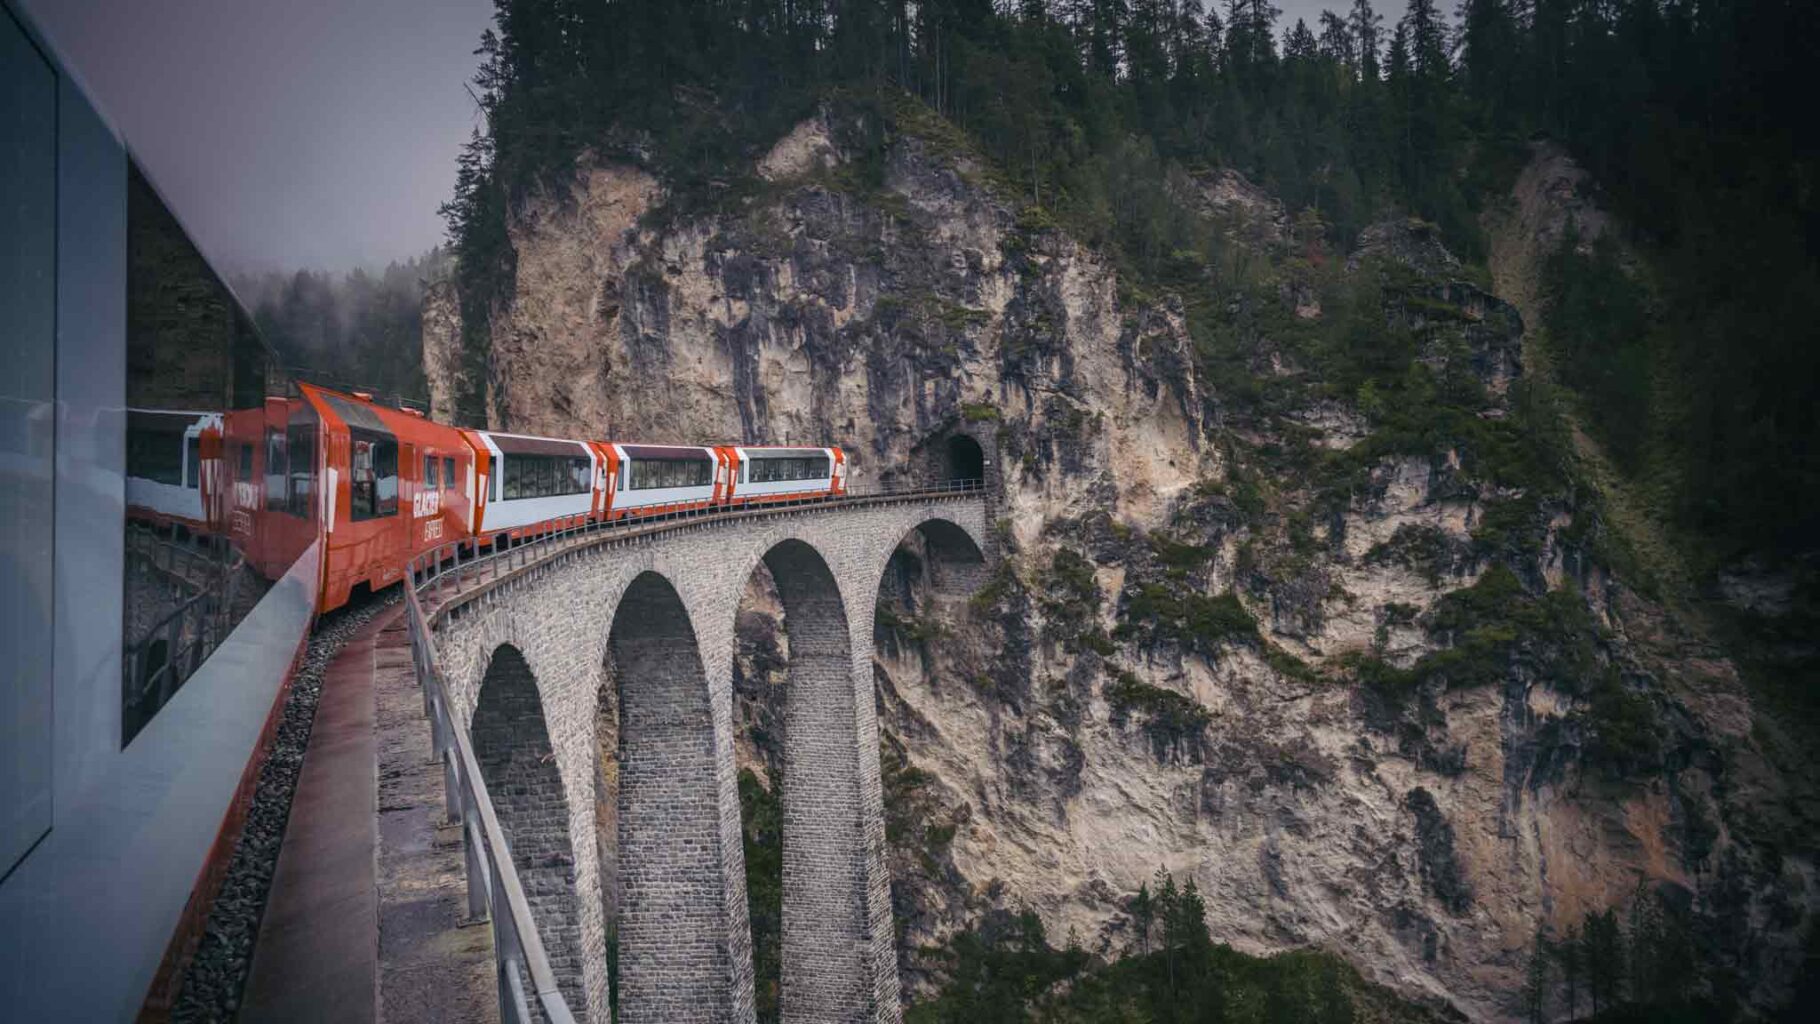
{"x":513,"y":472}
{"x":431,"y":479}
{"x":301,"y":483}
{"x":206,"y":414}
{"x":373,"y":475}
{"x":192,"y":463}
{"x":542,"y":476}
{"x":656,"y":474}
{"x":276,"y":468}
{"x":448,"y":473}
{"x":774,"y":469}
{"x":156,"y":456}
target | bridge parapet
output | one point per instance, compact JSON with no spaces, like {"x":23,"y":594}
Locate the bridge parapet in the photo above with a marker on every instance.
{"x":642,"y":617}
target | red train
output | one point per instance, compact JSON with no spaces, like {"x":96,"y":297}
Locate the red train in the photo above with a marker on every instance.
{"x":381,"y":485}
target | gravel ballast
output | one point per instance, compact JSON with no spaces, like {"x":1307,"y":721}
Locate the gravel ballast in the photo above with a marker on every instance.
{"x":217,"y":974}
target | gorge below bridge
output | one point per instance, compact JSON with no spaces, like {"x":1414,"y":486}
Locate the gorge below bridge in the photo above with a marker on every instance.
{"x":595,"y":684}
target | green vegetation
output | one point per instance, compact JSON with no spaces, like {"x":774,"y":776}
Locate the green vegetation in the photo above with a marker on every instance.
{"x":1493,"y":625}
{"x":1198,"y":622}
{"x":359,"y":331}
{"x":1173,"y":722}
{"x":1420,"y":547}
{"x":1174,"y":973}
{"x":1071,"y":603}
{"x":761,"y":828}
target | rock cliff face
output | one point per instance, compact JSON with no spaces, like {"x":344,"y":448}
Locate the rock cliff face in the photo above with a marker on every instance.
{"x":1410,"y":718}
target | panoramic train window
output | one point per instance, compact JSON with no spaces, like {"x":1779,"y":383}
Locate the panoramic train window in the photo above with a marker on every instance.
{"x":773,"y":470}
{"x":197,"y":382}
{"x":650,"y":474}
{"x":544,"y":476}
{"x":373,"y":475}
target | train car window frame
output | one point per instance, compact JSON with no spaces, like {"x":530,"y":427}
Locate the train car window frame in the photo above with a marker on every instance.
{"x":367,"y":498}
{"x":300,"y":480}
{"x":666,"y":474}
{"x":448,"y":472}
{"x":432,"y":473}
{"x":277,"y":467}
{"x":192,"y":461}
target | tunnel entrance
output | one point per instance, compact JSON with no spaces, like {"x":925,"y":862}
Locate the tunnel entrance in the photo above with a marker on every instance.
{"x":965,"y":460}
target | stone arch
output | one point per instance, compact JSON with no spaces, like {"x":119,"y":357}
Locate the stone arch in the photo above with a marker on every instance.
{"x":937,"y":552}
{"x":512,"y":745}
{"x":827,"y":954}
{"x":675,"y":958}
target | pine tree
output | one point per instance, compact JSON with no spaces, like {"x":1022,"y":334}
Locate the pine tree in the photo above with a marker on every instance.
{"x":1603,"y":942}
{"x":1365,"y":24}
{"x":1143,"y":916}
{"x":1569,"y":952}
{"x":1535,"y":981}
{"x":1336,"y":40}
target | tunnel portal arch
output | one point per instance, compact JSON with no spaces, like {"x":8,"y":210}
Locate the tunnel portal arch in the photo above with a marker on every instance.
{"x":965,"y":459}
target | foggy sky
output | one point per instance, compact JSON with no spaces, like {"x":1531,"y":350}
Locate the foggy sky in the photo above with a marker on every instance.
{"x":286,"y":133}
{"x":305,"y":133}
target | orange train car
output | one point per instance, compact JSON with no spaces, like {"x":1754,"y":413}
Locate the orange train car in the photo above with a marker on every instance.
{"x":394,"y":486}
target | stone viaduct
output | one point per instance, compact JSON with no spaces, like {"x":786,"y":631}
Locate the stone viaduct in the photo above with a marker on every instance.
{"x":609,"y":668}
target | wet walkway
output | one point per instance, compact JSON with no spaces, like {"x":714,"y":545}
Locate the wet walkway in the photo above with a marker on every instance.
{"x":364,"y":921}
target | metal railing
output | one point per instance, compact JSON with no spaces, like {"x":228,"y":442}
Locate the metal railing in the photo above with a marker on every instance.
{"x":467,"y":559}
{"x":494,"y":890}
{"x":161,"y":658}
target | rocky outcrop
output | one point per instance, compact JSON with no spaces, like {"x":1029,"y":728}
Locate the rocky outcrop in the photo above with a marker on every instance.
{"x":1372,"y":699}
{"x":442,"y":362}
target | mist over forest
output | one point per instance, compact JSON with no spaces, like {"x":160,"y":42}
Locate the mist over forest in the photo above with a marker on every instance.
{"x":360,"y":329}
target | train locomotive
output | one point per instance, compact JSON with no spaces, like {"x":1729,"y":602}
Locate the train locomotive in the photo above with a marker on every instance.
{"x":379,"y":486}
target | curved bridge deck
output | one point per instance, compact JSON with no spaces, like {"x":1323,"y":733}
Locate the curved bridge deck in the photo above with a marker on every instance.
{"x":587,"y":674}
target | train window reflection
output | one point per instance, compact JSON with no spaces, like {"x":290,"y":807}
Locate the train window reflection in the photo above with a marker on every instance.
{"x":301,"y":490}
{"x":432,"y":475}
{"x":275,"y":468}
{"x":215,"y":441}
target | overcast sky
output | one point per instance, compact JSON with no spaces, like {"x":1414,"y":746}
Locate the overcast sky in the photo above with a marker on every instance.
{"x":287,"y":133}
{"x":304,"y":133}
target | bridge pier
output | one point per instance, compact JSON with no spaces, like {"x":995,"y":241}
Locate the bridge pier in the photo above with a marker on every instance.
{"x":681,"y":896}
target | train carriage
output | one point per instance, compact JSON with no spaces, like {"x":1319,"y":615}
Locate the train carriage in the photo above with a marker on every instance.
{"x":768,"y":474}
{"x":525,"y":482}
{"x":396,"y":485}
{"x":655,"y":479}
{"x":173,"y":468}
